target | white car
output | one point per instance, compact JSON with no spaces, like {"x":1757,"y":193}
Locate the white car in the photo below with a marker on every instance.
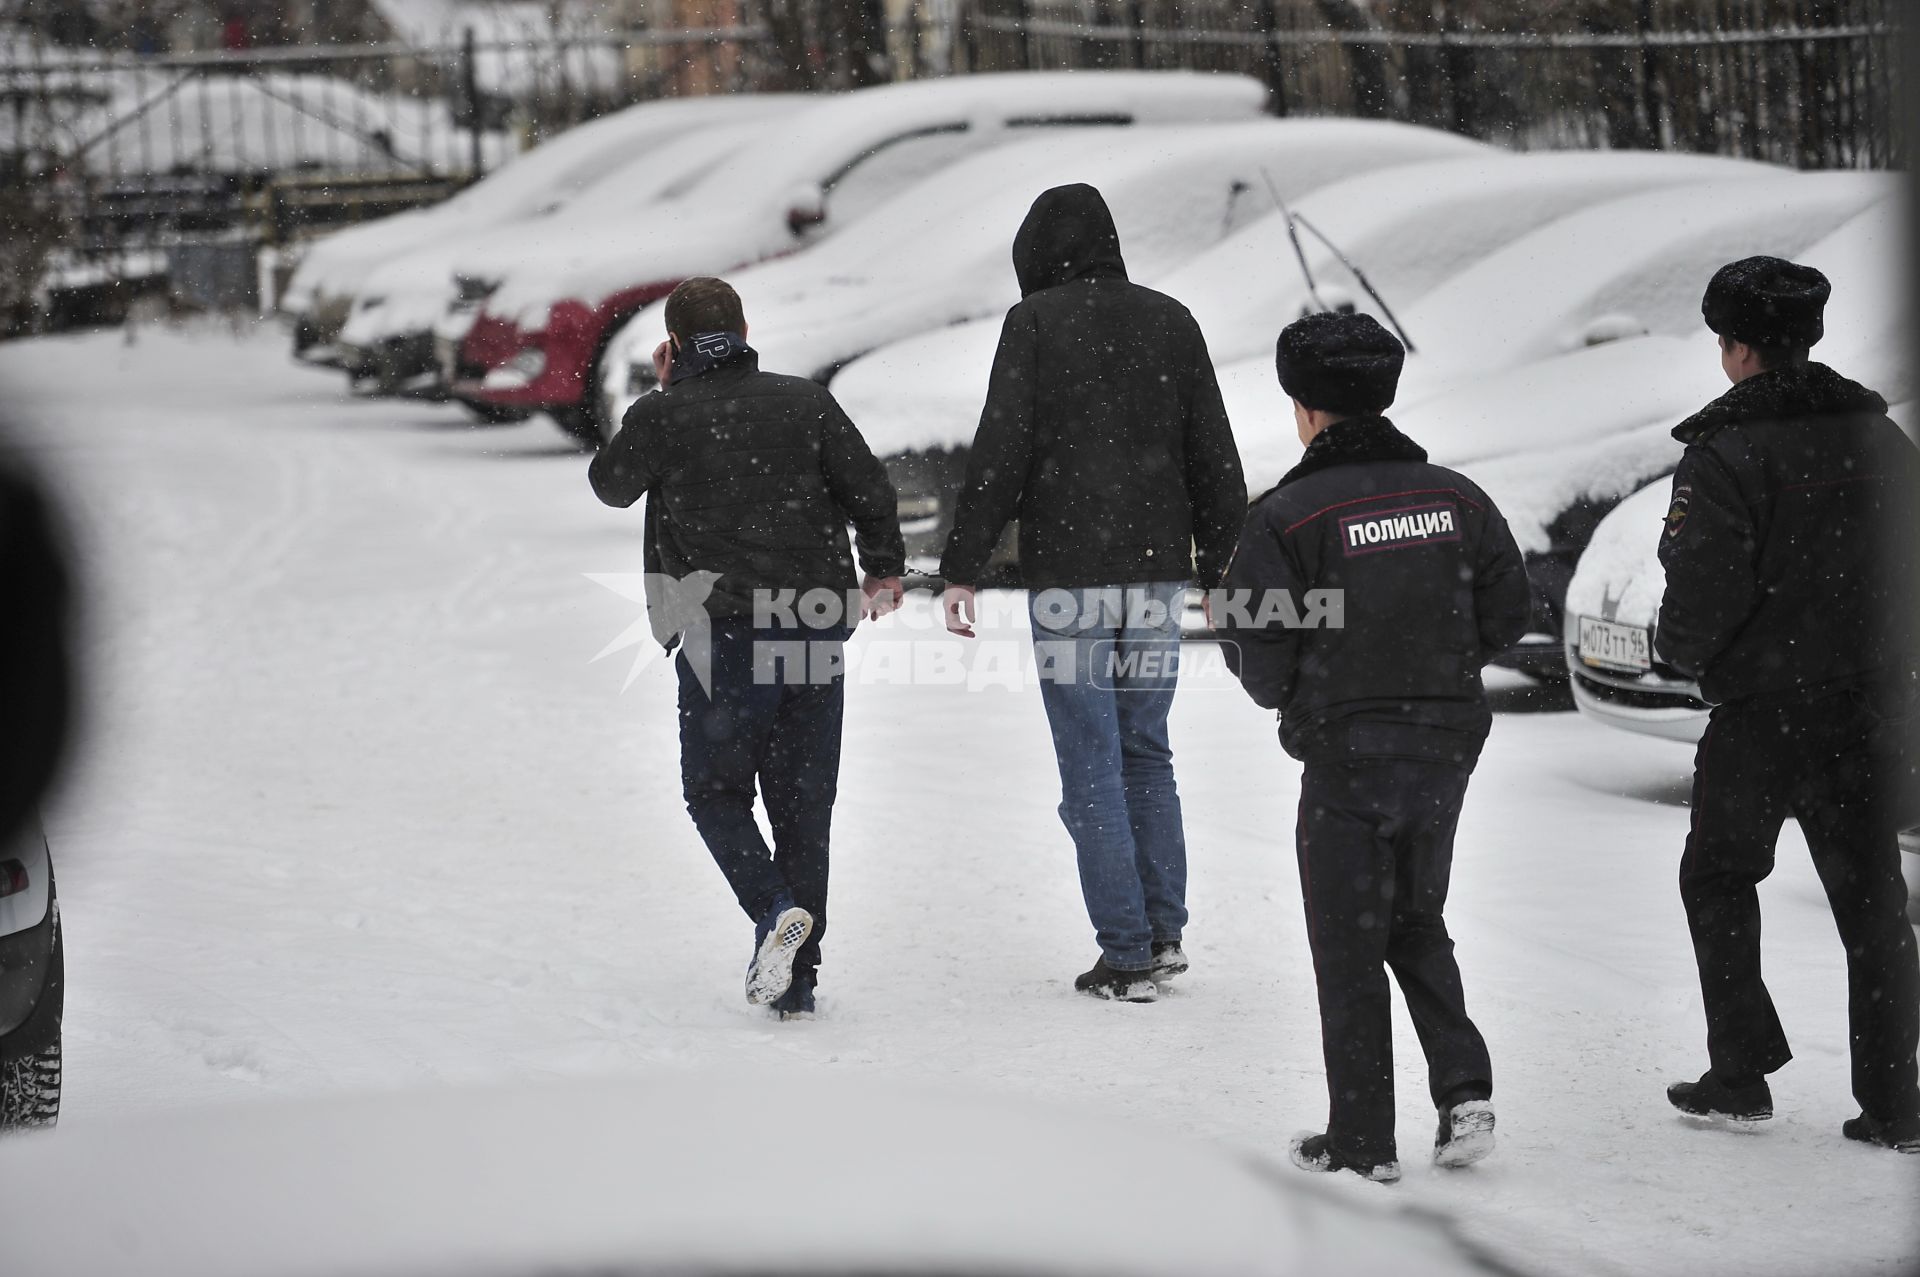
{"x":678,"y":1173}
{"x":542,"y":334}
{"x":942,"y":252}
{"x":331,"y":270}
{"x":388,"y":344}
{"x":1408,"y":226}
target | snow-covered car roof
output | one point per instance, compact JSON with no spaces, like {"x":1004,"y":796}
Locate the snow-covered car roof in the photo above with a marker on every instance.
{"x":543,"y":179}
{"x":1636,"y":264}
{"x":1870,"y":319}
{"x":1409,"y":227}
{"x":408,"y":293}
{"x":739,"y":212}
{"x":674,"y":1172}
{"x":941,"y":252}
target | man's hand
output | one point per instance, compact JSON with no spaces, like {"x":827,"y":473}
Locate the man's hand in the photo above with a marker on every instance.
{"x":880,"y":595}
{"x":662,"y":361}
{"x":960,"y":611}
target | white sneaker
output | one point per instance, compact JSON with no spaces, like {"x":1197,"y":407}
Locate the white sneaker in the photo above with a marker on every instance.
{"x":771,"y":971}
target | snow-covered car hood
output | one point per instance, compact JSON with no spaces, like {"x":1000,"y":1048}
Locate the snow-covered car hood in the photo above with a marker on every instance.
{"x":409,"y":292}
{"x":1173,"y":190}
{"x":539,"y":181}
{"x":676,"y":1173}
{"x":1636,"y":264}
{"x":1408,"y":229}
{"x":739,"y":212}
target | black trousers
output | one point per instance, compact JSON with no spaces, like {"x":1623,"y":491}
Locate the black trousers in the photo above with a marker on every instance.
{"x":1831,"y":762}
{"x":771,"y":714}
{"x":1375,"y":842}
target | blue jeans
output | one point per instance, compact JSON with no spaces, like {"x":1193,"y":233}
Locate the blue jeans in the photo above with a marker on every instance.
{"x":1109,"y":661}
{"x":775,"y":727}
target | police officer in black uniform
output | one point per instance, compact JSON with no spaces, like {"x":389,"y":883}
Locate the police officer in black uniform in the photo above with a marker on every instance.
{"x":1790,"y":549}
{"x":1367,"y":591}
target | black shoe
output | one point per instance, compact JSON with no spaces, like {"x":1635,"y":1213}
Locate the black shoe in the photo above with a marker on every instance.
{"x":1169,"y":960}
{"x":795,"y":1004}
{"x":1711,"y":1097}
{"x":1902,"y":1135}
{"x":1466,"y":1129}
{"x":776,"y":941}
{"x":1315,"y":1153}
{"x":1116,"y":986}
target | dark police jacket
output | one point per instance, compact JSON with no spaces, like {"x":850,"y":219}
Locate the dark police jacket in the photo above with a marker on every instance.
{"x":1103,"y":431}
{"x":752,"y":478}
{"x":1432,"y":587}
{"x":1791,"y":543}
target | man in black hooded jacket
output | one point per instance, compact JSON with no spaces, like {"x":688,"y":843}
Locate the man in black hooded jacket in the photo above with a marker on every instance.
{"x":1104,"y":434}
{"x":1791,"y":549}
{"x":1369,"y":589}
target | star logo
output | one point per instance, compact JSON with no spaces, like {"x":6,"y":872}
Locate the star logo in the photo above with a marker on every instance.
{"x":673,"y":613}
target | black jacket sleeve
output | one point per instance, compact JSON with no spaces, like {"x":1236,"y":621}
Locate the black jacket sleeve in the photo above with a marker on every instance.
{"x":858,"y":484}
{"x":1502,"y":596}
{"x":620,"y":472}
{"x":1215,"y":484}
{"x":1001,"y":457}
{"x":1265,"y":660}
{"x":1708,"y":549}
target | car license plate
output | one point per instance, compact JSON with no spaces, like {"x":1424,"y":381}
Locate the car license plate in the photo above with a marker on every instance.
{"x":1615,"y":647}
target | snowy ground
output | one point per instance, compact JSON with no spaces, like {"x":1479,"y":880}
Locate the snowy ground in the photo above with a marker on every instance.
{"x":357,"y":811}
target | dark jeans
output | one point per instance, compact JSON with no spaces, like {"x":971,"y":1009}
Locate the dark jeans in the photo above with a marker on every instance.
{"x":777,"y":723}
{"x":1375,"y":844}
{"x":1829,"y":761}
{"x":1110,"y":664}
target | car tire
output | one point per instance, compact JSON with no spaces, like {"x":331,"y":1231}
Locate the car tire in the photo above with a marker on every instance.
{"x":30,"y":1055}
{"x":491,"y":414}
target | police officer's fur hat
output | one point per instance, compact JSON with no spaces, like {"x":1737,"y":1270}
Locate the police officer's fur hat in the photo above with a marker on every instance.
{"x":1340,"y":363}
{"x":1765,"y":301}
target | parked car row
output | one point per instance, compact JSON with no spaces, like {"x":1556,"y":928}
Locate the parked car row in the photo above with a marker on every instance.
{"x":1551,"y":301}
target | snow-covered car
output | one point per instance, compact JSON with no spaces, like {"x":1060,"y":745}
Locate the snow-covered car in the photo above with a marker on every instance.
{"x":323,"y":286}
{"x":388,"y":345}
{"x":672,"y":1172}
{"x":549,"y":315}
{"x":32,"y":984}
{"x":1174,"y":191}
{"x":1409,"y":227}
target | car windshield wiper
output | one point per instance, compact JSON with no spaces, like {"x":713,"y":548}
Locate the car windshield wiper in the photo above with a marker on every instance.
{"x":1294,"y":222}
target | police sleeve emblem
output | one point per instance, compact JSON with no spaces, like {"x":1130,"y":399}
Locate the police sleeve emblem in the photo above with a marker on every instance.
{"x":1677,"y":512}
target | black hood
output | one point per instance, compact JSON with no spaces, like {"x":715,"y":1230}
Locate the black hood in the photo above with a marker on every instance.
{"x":1068,"y":235}
{"x":1799,"y":390}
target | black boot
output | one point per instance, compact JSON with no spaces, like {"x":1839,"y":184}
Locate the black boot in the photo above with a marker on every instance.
{"x":1316,"y":1153}
{"x":1169,"y":960}
{"x":1116,"y":985}
{"x":1713,"y":1097}
{"x":1466,"y":1128}
{"x":1902,"y":1135}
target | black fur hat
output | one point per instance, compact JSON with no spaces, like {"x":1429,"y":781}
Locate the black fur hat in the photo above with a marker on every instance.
{"x":1764,"y":301}
{"x":1340,"y":363}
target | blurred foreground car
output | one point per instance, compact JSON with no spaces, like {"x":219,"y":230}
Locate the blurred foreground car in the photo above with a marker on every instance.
{"x":389,"y":346}
{"x":544,"y":329}
{"x":321,"y":292}
{"x":32,"y":986}
{"x":678,"y":1174}
{"x":1174,"y":191}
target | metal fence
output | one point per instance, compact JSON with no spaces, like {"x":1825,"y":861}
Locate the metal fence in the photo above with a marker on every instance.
{"x":109,"y":161}
{"x":1806,"y":82}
